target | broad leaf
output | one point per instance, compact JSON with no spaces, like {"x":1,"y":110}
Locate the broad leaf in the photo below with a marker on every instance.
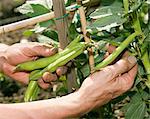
{"x":108,"y":22}
{"x":44,"y":39}
{"x":38,"y":10}
{"x":51,"y":34}
{"x":136,"y":111}
{"x":25,"y":9}
{"x":35,"y":8}
{"x":47,"y":23}
{"x":148,"y":1}
{"x":106,"y":11}
{"x":72,"y":31}
{"x":111,"y":2}
{"x":85,"y":70}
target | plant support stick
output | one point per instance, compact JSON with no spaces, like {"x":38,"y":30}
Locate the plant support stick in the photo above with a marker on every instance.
{"x":84,"y":25}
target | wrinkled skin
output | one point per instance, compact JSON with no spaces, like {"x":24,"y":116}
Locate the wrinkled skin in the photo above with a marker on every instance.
{"x":96,"y":90}
{"x":22,"y":52}
{"x":111,"y":81}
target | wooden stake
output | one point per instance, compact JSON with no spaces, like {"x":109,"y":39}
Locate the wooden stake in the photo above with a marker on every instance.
{"x":62,"y":28}
{"x":84,"y":24}
{"x":25,"y":23}
{"x":33,"y":21}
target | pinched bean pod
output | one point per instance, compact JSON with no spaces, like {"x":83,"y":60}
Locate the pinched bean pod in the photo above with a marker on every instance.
{"x":117,"y":52}
{"x":29,"y":94}
{"x":43,"y":62}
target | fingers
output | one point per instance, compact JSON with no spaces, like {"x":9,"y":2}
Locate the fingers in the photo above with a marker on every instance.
{"x":119,"y":67}
{"x":45,"y":81}
{"x":44,"y":50}
{"x":110,"y":48}
{"x":125,"y":82}
{"x":27,"y":52}
{"x":21,"y":77}
{"x":42,"y":84}
{"x":127,"y":79}
{"x":49,"y":77}
{"x":61,"y":70}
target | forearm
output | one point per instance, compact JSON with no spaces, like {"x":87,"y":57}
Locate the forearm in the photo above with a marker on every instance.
{"x":68,"y":106}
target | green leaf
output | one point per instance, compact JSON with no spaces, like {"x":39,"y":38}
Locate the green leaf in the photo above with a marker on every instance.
{"x":51,"y":34}
{"x":69,"y":2}
{"x":136,"y":111}
{"x":108,"y":22}
{"x":99,"y":57}
{"x":82,"y":59}
{"x":106,"y":11}
{"x":72,"y":31}
{"x":35,"y":8}
{"x":28,"y":33}
{"x":25,"y":9}
{"x":47,"y":23}
{"x":85,"y":70}
{"x":148,"y":2}
{"x":38,"y":10}
{"x":111,"y":2}
{"x":44,"y":39}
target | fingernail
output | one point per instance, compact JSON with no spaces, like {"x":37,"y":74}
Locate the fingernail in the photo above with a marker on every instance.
{"x":54,"y":49}
{"x":132,"y":59}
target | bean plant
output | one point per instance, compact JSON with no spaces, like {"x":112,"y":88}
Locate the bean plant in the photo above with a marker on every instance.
{"x":121,"y":23}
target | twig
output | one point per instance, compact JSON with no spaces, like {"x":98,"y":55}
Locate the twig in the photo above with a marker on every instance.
{"x":62,"y":28}
{"x":33,"y":21}
{"x":25,"y":23}
{"x":84,"y":24}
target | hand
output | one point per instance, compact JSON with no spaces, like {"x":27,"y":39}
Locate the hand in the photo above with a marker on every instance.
{"x":22,"y":52}
{"x":107,"y":84}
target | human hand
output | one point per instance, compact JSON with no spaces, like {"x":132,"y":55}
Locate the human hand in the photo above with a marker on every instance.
{"x":107,"y":84}
{"x":22,"y":52}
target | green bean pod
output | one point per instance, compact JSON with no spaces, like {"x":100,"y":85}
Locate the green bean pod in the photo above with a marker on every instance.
{"x":78,"y":49}
{"x":32,"y":91}
{"x":75,"y":41}
{"x":117,"y":52}
{"x":43,"y":62}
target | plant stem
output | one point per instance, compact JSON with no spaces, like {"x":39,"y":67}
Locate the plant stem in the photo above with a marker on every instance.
{"x":145,"y":57}
{"x":146,"y":63}
{"x":84,"y":25}
{"x":136,"y":23}
{"x":116,"y":53}
{"x":126,"y":6}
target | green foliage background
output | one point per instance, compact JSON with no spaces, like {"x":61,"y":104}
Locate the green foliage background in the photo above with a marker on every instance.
{"x":108,"y":22}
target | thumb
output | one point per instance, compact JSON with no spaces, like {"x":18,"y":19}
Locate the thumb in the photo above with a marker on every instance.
{"x":43,"y":50}
{"x":120,"y":67}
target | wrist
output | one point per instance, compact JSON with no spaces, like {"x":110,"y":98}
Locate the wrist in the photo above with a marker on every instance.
{"x":69,"y":106}
{"x":86,"y":102}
